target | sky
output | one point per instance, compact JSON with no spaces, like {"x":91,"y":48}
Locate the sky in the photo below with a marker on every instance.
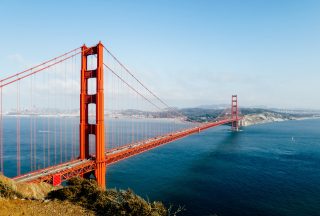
{"x":189,"y":53}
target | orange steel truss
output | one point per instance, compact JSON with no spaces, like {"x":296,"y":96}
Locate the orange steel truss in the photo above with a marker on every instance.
{"x":124,"y":152}
{"x":96,"y":129}
{"x":65,"y":174}
{"x":117,"y":154}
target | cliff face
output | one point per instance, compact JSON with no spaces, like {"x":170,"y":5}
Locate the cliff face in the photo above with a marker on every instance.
{"x":264,"y":117}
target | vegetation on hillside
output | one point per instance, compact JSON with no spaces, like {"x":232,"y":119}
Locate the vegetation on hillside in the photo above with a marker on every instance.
{"x":79,"y":197}
{"x":11,"y":189}
{"x":110,"y":202}
{"x":29,"y":199}
{"x":19,"y":207}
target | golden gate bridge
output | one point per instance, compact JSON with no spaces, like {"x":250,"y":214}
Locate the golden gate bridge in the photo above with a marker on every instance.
{"x":57,"y":123}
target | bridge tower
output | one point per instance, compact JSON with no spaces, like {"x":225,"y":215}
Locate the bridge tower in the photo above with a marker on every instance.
{"x":86,"y":128}
{"x":234,"y":113}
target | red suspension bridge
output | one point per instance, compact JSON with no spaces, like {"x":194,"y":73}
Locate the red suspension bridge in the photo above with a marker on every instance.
{"x":50,"y":134}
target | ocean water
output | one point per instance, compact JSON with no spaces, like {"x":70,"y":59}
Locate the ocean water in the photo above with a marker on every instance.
{"x":269,"y":169}
{"x":46,"y":141}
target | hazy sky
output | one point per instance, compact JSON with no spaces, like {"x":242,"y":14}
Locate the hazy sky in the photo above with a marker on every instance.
{"x":189,"y":52}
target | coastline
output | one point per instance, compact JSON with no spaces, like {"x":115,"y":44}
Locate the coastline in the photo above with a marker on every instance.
{"x":269,"y":117}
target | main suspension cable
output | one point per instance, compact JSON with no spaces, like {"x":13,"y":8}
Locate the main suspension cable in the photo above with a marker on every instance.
{"x":146,"y":88}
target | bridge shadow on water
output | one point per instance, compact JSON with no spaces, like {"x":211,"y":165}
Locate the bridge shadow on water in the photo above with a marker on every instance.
{"x":203,"y":186}
{"x":219,"y":147}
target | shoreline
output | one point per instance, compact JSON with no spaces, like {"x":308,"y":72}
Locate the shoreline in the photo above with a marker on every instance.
{"x":256,"y":119}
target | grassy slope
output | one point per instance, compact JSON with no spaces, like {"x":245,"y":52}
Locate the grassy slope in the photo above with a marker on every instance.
{"x":17,"y":207}
{"x":81,"y":197}
{"x":11,"y":189}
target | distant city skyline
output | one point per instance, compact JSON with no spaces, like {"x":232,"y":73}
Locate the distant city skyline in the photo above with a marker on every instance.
{"x":190,"y":53}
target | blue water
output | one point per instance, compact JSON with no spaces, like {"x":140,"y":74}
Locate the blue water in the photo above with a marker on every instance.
{"x":46,"y":141}
{"x":270,"y":169}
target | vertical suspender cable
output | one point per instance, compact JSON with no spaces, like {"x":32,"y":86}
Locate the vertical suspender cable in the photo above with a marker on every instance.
{"x":65,"y":119}
{"x":1,"y":133}
{"x":18,"y":129}
{"x":44,"y":141}
{"x":48,"y":121}
{"x":35,"y":141}
{"x":71,"y":119}
{"x":60,"y":119}
{"x":55,"y":118}
{"x":31,"y":127}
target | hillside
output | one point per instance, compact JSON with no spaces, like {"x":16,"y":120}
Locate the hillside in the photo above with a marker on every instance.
{"x":80,"y":197}
{"x":30,"y":199}
{"x":251,"y":115}
{"x":11,"y":189}
{"x":265,"y":117}
{"x":17,"y":207}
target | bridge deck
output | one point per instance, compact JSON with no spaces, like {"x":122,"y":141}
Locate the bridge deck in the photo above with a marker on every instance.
{"x":80,"y":167}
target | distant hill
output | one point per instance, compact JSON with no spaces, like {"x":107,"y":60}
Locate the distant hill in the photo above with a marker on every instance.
{"x":214,"y":106}
{"x":206,"y":114}
{"x":210,"y":113}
